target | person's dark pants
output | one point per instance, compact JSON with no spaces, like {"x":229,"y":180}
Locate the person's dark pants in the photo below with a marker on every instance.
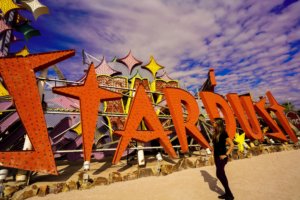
{"x":220,"y":171}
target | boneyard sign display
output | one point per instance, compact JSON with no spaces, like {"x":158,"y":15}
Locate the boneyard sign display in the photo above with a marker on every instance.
{"x":130,"y":115}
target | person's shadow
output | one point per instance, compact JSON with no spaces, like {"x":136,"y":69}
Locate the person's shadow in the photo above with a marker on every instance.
{"x":212,"y":182}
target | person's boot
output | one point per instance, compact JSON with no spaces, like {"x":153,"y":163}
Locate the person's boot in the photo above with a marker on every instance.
{"x":227,"y":197}
{"x":222,"y":196}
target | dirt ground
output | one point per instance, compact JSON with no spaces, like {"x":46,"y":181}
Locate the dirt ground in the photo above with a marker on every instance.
{"x":268,"y":176}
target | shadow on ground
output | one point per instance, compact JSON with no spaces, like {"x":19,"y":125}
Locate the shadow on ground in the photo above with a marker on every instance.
{"x":212,"y":182}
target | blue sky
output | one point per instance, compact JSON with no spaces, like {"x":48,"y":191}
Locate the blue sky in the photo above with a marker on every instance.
{"x":252,"y":45}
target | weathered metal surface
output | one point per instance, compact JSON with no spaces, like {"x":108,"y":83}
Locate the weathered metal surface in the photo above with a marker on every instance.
{"x":90,"y":96}
{"x":18,"y":74}
{"x":142,"y":111}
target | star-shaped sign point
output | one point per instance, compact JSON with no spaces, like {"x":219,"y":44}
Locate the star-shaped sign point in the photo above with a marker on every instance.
{"x":90,"y":95}
{"x":240,"y":139}
{"x":104,"y":69}
{"x":130,"y":61}
{"x":8,"y":5}
{"x":165,"y":76}
{"x":38,"y":61}
{"x":19,"y":77}
{"x":89,"y":91}
{"x":23,"y":52}
{"x":153,"y":66}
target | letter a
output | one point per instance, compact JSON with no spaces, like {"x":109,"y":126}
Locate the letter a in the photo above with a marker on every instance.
{"x":142,"y":109}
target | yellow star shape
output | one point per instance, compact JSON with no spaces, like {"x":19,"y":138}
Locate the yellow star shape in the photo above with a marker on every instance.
{"x":153,"y":66}
{"x":240,"y":139}
{"x":8,"y":5}
{"x":24,"y":52}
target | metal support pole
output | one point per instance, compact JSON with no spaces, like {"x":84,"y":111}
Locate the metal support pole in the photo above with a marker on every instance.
{"x":114,"y":149}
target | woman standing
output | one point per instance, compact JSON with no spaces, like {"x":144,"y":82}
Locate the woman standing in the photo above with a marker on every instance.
{"x":220,"y":138}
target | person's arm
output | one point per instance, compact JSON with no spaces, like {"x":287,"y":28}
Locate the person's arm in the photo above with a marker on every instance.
{"x":230,"y":149}
{"x":231,"y":146}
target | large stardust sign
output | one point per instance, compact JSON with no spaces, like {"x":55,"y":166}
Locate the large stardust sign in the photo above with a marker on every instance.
{"x":18,"y":74}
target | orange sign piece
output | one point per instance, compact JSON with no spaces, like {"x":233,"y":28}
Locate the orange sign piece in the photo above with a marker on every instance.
{"x":175,"y":97}
{"x":90,"y":96}
{"x":212,"y":78}
{"x":278,"y":109}
{"x":260,"y":108}
{"x":240,"y":106}
{"x":142,"y":110}
{"x":20,"y":80}
{"x":18,"y":74}
{"x":212,"y":103}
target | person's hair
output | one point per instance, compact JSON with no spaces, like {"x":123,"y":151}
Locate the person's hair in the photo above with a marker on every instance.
{"x":218,"y":129}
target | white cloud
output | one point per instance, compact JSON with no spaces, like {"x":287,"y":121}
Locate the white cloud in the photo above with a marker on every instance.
{"x":243,"y":37}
